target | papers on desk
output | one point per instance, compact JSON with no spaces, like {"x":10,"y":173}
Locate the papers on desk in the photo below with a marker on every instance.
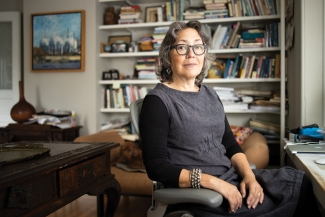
{"x":62,"y":122}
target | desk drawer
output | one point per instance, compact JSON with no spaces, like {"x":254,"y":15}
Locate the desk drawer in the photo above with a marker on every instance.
{"x":18,"y":199}
{"x":80,"y":174}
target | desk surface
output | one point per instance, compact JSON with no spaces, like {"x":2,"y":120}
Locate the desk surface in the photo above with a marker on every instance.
{"x":39,"y":186}
{"x":314,"y":171}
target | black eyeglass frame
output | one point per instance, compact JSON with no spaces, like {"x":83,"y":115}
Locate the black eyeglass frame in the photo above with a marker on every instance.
{"x":188,"y":49}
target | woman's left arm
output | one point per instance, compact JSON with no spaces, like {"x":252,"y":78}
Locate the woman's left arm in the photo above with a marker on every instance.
{"x":241,"y":165}
{"x":249,"y":183}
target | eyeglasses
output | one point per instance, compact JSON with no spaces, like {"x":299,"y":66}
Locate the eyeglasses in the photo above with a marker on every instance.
{"x":183,"y":49}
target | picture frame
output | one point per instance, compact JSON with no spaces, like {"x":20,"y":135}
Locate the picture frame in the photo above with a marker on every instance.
{"x":119,"y":47}
{"x":58,"y":41}
{"x":105,"y":48}
{"x":151,"y":14}
{"x":120,"y":39}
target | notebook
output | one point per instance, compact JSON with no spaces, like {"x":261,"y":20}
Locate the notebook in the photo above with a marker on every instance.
{"x":311,"y":148}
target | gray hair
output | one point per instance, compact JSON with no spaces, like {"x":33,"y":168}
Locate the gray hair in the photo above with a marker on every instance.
{"x":169,"y":40}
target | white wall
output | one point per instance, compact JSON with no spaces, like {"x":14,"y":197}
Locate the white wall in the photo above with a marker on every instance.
{"x":11,"y":5}
{"x":64,"y":90}
{"x":306,"y":65}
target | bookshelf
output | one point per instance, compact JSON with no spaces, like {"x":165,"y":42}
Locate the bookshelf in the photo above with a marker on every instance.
{"x":125,"y":62}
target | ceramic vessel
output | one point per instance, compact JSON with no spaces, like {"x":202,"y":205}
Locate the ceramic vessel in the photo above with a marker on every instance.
{"x":23,"y":110}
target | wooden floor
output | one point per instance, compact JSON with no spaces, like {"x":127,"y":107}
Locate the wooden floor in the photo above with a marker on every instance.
{"x":85,"y":206}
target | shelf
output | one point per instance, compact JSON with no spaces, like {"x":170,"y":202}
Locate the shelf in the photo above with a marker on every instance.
{"x":220,"y":51}
{"x":220,"y":20}
{"x":205,"y":81}
{"x":130,"y":54}
{"x":111,"y":0}
{"x":135,"y":81}
{"x":245,"y":50}
{"x":126,"y":110}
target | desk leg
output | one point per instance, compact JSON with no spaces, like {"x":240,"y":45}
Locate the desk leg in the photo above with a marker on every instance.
{"x":100,"y":205}
{"x":113,"y":198}
{"x":113,"y":194}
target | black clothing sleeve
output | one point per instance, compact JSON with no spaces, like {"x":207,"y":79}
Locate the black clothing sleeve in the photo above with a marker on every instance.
{"x":154,"y":127}
{"x":229,"y":141}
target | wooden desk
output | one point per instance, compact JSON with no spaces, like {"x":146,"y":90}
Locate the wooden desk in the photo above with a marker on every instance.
{"x":39,"y":186}
{"x":37,"y":132}
{"x":315,"y":172}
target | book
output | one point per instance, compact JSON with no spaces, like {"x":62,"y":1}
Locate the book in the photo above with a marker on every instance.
{"x":253,"y":92}
{"x":181,"y":9}
{"x":264,"y":124}
{"x":220,"y":37}
{"x":265,"y":131}
{"x":236,"y":68}
{"x":230,"y":30}
{"x":243,"y":68}
{"x":215,"y":36}
{"x":236,"y":30}
{"x":250,"y":70}
{"x":255,"y":66}
{"x":277,"y":66}
{"x":259,"y":66}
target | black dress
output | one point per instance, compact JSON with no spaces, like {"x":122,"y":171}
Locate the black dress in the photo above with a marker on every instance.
{"x":190,"y":130}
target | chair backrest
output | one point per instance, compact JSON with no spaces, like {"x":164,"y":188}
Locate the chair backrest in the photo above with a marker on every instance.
{"x":135,"y":109}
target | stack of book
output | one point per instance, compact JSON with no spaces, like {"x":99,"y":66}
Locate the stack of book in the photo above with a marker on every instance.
{"x":226,"y":94}
{"x":158,"y":36}
{"x":130,"y":14}
{"x":216,"y":9}
{"x":270,"y":131}
{"x":194,"y":13}
{"x":146,"y":68}
{"x":145,"y":43}
{"x":229,"y":99}
{"x":259,"y":97}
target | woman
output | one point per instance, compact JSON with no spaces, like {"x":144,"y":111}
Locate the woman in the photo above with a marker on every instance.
{"x":185,"y":135}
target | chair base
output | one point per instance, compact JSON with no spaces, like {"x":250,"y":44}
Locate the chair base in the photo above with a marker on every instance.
{"x":179,"y":214}
{"x":160,"y":209}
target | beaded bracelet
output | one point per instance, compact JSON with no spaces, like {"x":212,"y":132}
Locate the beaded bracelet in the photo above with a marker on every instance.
{"x":195,"y":178}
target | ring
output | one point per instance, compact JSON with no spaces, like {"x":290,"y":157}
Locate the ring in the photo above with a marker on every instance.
{"x":259,"y":194}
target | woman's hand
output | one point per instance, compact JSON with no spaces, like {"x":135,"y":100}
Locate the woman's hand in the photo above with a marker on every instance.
{"x":255,"y":191}
{"x":231,"y":193}
{"x":227,"y":190}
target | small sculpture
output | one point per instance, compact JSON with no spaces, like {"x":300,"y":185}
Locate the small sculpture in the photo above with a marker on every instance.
{"x":110,"y":17}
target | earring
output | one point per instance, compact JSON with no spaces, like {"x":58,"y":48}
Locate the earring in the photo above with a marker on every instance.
{"x":168,"y":71}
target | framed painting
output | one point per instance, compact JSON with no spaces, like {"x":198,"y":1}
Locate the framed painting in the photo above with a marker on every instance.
{"x":58,"y":41}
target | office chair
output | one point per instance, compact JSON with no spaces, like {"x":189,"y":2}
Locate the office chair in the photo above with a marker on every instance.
{"x":162,"y":197}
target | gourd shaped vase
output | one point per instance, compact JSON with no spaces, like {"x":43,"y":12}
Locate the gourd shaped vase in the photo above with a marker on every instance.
{"x":23,"y":110}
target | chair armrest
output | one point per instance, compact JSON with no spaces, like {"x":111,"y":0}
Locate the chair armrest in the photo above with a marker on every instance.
{"x":188,"y":195}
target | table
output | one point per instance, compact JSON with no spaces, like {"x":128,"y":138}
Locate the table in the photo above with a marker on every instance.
{"x":41,"y":185}
{"x":315,"y":172}
{"x":37,"y":132}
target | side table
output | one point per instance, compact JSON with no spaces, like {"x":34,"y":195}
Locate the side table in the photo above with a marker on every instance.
{"x":37,"y":132}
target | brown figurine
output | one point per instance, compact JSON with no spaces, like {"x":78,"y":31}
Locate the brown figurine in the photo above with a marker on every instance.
{"x":110,"y":17}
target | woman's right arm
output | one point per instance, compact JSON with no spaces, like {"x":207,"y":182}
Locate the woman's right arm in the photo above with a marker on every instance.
{"x":154,"y":127}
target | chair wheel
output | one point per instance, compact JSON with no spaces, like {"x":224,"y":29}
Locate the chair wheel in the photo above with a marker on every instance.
{"x":187,"y":215}
{"x":180,"y":214}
